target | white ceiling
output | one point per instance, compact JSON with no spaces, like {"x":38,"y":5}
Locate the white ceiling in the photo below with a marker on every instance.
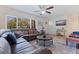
{"x":56,"y":11}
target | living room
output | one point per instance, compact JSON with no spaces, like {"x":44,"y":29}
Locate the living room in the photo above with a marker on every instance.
{"x":53,"y":22}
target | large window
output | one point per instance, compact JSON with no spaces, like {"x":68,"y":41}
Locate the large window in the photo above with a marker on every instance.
{"x":23,"y":23}
{"x":20,"y":23}
{"x":11,"y":22}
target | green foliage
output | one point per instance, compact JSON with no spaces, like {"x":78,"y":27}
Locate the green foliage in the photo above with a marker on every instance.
{"x":12,"y":23}
{"x":22,"y":23}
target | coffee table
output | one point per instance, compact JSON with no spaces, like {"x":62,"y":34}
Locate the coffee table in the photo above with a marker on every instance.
{"x":44,"y":41}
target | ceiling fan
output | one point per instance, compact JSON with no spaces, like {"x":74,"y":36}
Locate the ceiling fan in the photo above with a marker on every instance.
{"x":44,"y":9}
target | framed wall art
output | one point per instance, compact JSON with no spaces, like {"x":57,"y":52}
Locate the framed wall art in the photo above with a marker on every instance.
{"x":61,"y":23}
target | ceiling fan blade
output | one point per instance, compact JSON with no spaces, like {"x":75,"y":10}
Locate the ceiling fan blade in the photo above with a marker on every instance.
{"x":48,"y":12}
{"x":49,"y":7}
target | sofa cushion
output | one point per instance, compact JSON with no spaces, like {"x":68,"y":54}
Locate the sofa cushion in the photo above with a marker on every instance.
{"x":23,"y":46}
{"x":4,"y":46}
{"x":11,"y":39}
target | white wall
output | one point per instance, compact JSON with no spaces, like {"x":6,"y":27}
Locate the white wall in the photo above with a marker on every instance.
{"x":72,"y":23}
{"x":52,"y":23}
{"x":52,"y":27}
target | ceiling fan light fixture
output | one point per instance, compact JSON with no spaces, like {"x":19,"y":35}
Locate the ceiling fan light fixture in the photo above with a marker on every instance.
{"x":43,"y":12}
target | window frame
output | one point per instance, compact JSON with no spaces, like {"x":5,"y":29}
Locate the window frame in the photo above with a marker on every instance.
{"x":17,"y":27}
